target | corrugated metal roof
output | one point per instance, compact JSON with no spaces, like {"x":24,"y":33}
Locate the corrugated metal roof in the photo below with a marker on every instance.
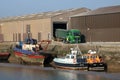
{"x":40,"y":15}
{"x":103,"y":10}
{"x":81,"y":14}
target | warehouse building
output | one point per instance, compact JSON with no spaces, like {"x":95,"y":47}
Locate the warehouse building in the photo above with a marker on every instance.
{"x":100,"y":25}
{"x":40,"y":26}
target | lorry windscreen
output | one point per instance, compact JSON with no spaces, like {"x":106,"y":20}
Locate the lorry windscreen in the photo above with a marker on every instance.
{"x":76,"y":34}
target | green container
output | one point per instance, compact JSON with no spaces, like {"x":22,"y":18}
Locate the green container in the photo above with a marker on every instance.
{"x":61,"y":33}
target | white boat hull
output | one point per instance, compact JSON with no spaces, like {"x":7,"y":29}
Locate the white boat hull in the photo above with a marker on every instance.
{"x":68,"y":63}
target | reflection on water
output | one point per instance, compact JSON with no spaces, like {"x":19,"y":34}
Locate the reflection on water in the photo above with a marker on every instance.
{"x":18,"y":72}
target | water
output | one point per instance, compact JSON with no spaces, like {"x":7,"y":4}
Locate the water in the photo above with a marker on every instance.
{"x":24,"y":72}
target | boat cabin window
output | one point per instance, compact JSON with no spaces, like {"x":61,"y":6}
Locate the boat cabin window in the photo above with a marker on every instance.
{"x":93,"y":57}
{"x":84,"y":56}
{"x":87,"y":57}
{"x":72,"y":57}
{"x":31,"y":41}
{"x":67,"y":57}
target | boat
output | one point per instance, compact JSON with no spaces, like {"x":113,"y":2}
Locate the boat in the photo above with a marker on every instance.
{"x":73,"y":60}
{"x":4,"y":55}
{"x":95,"y":61}
{"x":76,"y":61}
{"x":30,"y":52}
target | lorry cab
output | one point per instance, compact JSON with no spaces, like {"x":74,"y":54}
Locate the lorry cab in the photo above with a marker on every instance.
{"x":73,"y":36}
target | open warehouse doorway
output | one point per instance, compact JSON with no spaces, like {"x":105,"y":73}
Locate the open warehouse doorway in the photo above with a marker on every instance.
{"x":58,"y":25}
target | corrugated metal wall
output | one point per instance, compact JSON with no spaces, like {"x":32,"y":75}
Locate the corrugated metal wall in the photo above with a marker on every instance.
{"x":97,"y":28}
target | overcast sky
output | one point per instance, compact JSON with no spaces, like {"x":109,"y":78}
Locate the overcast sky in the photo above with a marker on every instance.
{"x":22,"y":7}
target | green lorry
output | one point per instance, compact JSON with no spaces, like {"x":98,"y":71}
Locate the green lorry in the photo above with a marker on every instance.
{"x":68,"y":36}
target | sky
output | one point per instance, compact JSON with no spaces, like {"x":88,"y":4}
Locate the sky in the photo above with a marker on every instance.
{"x":9,"y":8}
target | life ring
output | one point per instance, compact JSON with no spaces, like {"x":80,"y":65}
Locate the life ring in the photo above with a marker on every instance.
{"x":74,"y":60}
{"x":24,"y":46}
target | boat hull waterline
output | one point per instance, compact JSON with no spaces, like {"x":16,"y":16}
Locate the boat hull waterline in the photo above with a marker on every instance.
{"x":69,"y":66}
{"x":4,"y":56}
{"x":69,"y":63}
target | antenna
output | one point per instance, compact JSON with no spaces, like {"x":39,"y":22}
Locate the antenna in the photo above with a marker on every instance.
{"x":78,"y":49}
